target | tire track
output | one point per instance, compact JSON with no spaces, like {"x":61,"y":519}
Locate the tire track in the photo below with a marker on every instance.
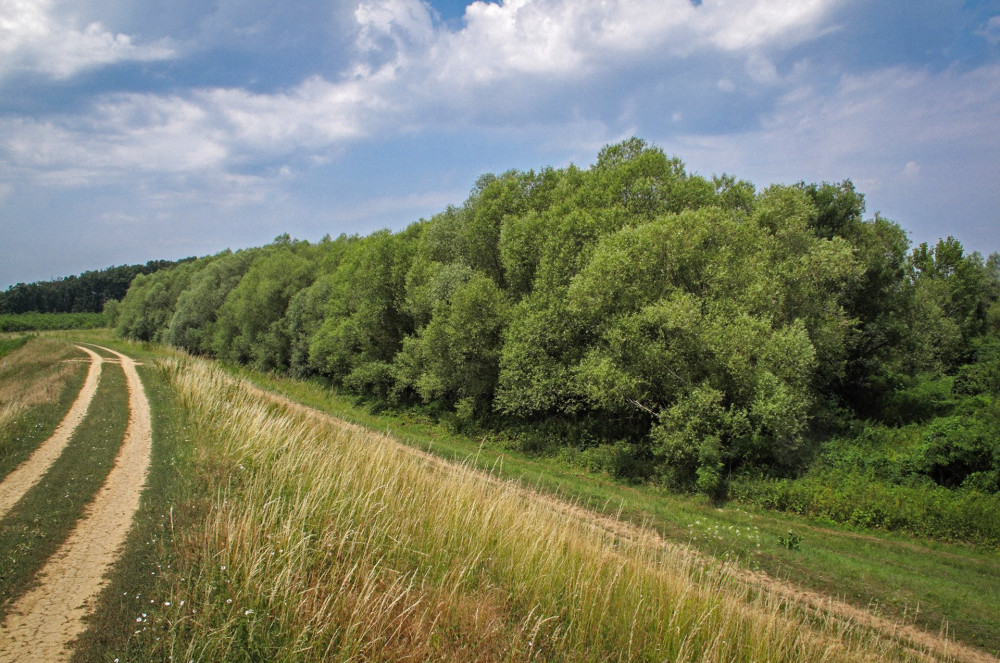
{"x":28,"y":473}
{"x":44,"y":622}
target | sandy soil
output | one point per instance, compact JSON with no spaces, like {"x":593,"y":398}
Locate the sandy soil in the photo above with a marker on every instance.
{"x":44,"y":622}
{"x":27,"y":474}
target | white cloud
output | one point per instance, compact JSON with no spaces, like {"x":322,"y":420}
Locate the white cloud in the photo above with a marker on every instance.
{"x":735,"y":25}
{"x":205,"y":132}
{"x":576,"y":37}
{"x":869,"y":123}
{"x":991,"y":31}
{"x":410,"y":73}
{"x":34,"y":38}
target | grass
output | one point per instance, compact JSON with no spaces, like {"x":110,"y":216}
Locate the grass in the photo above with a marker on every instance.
{"x":933,"y":584}
{"x":37,"y":387}
{"x":43,"y":518}
{"x":305,"y":539}
{"x":21,"y":322}
{"x":11,"y":343}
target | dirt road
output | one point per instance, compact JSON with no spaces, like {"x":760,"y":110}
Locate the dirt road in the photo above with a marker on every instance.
{"x":45,"y":621}
{"x":27,"y":474}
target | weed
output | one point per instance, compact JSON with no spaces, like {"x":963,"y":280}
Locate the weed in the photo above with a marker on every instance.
{"x":792,"y":542}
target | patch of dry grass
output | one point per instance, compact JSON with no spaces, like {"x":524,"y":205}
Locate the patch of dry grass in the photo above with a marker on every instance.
{"x":31,"y":376}
{"x":323,"y":541}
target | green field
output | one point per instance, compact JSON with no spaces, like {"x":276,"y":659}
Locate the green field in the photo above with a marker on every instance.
{"x":22,"y":322}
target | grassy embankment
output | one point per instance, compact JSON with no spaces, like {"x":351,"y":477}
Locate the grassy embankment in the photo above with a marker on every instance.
{"x":37,"y":387}
{"x":9,"y":343}
{"x":43,"y":518}
{"x":202,"y":512}
{"x":300,"y":538}
{"x":933,"y":584}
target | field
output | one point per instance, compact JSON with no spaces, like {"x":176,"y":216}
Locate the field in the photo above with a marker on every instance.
{"x":272,"y":528}
{"x":22,"y":322}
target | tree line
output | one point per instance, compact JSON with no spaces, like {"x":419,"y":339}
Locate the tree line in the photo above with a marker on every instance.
{"x":665,"y":326}
{"x":84,"y":293}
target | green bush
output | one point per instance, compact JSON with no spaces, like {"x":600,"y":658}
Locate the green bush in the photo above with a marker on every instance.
{"x":925,"y":510}
{"x":620,"y":459}
{"x":953,"y":448}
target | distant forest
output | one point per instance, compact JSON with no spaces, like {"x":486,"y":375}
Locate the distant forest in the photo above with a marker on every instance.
{"x":86,"y":293}
{"x":775,"y":345}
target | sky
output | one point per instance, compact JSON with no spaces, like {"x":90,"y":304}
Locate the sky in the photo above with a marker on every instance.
{"x":157,"y":129}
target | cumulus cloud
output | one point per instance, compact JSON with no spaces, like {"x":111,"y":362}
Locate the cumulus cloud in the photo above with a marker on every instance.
{"x":577,"y":37}
{"x":35,"y":38}
{"x":407,"y":68}
{"x":208,"y":131}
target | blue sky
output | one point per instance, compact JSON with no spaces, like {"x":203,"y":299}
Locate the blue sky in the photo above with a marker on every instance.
{"x":132,"y":130}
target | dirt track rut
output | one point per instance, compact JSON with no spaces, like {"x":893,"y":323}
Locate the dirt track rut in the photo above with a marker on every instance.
{"x":27,"y":474}
{"x":44,"y":622}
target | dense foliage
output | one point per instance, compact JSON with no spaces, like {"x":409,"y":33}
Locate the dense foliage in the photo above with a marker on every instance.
{"x":665,"y":326}
{"x":86,"y":293}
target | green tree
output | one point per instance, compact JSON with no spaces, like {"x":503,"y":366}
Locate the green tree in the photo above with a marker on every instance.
{"x":251,"y":324}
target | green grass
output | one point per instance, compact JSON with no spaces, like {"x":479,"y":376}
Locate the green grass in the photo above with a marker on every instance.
{"x":119,"y":629}
{"x":21,"y":322}
{"x":929,"y":582}
{"x":293,"y":538}
{"x":43,"y":518}
{"x":8,"y":345}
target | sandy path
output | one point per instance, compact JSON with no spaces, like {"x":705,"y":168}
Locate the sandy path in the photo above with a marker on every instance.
{"x":43,"y":623}
{"x":27,"y":474}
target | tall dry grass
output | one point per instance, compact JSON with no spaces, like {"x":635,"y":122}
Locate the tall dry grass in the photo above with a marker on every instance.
{"x":33,"y":375}
{"x":326,"y":542}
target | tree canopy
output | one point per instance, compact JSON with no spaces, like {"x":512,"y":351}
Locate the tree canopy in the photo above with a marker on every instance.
{"x":699,"y":328}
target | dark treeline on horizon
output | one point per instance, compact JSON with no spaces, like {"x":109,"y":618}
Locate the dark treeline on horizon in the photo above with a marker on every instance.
{"x":83,"y":293}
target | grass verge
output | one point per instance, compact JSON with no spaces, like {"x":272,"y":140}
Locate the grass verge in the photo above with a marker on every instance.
{"x":121,"y":627}
{"x":934,"y":585}
{"x":43,"y":518}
